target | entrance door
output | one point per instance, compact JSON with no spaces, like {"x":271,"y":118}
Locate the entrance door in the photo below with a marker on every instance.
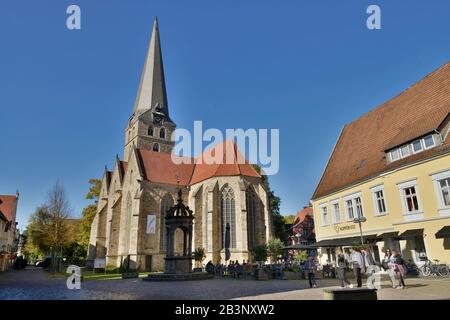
{"x":148,"y":263}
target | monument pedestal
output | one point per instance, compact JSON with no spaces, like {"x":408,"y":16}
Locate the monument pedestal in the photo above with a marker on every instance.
{"x":178,"y":264}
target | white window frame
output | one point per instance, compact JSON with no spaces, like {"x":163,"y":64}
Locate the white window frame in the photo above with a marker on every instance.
{"x":407,"y":215}
{"x":443,"y":210}
{"x":422,"y":146}
{"x":374,"y":191}
{"x":434,"y":142}
{"x":322,"y":220}
{"x":396,"y":150}
{"x":352,"y":198}
{"x":333,"y":204}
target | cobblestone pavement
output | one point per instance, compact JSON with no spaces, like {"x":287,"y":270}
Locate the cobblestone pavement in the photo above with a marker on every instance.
{"x":36,"y":284}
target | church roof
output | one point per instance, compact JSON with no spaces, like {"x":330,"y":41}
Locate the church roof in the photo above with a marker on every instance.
{"x":8,"y":205}
{"x":159,"y":167}
{"x":152,"y":86}
{"x":360,"y":152}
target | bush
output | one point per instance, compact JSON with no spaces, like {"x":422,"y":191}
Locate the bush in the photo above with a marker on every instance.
{"x":275,"y":248}
{"x":260,"y":253}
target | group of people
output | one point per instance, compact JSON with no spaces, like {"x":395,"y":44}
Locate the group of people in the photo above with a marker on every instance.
{"x":362,"y":261}
{"x":234,"y":268}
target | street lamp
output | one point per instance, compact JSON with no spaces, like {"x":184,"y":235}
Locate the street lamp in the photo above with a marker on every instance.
{"x":359,"y":221}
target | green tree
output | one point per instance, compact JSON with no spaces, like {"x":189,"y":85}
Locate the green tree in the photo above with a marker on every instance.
{"x":279,"y":228}
{"x":301,"y":256}
{"x":260,"y":253}
{"x":289,"y":219}
{"x":275,"y":248}
{"x":88,"y":214}
{"x":199,"y":255}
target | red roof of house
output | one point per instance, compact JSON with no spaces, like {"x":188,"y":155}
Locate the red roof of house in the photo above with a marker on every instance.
{"x":8,"y":205}
{"x":360,"y":151}
{"x":166,"y":168}
{"x":301,"y":215}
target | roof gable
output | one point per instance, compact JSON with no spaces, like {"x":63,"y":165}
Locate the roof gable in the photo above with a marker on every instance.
{"x":8,"y":206}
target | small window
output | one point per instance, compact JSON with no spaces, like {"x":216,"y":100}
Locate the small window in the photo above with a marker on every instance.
{"x":445,"y":190}
{"x":412,"y":203}
{"x":417,"y":146}
{"x":350,"y":213}
{"x":359,"y":208}
{"x":162,"y":133}
{"x":156,"y":147}
{"x":150,"y":131}
{"x":337,"y":213}
{"x":324,"y":216}
{"x":395,"y":155}
{"x":405,"y":151}
{"x":381,"y":205}
{"x":428,"y":141}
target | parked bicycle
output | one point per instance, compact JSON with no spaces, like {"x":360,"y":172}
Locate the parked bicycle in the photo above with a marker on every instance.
{"x":434,"y":268}
{"x":411,"y":268}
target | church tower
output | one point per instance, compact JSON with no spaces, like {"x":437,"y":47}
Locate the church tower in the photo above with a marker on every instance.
{"x":150,"y":126}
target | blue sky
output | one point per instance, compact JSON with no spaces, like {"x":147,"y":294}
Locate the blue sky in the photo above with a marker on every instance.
{"x":305,"y":67}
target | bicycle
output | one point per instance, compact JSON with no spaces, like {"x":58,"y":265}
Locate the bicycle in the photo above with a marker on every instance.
{"x":434,"y":268}
{"x":411,"y":268}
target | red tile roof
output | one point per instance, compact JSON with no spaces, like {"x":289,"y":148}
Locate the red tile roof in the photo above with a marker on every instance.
{"x":8,"y":205}
{"x":360,"y":151}
{"x":159,"y":166}
{"x":301,"y":215}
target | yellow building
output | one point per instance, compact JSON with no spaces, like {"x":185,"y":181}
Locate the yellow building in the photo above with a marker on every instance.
{"x":392,"y":167}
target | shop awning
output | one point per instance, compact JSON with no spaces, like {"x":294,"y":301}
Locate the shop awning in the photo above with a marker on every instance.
{"x":412,"y":233}
{"x":443,"y":233}
{"x":344,"y":242}
{"x":297,"y":247}
{"x":388,"y":235}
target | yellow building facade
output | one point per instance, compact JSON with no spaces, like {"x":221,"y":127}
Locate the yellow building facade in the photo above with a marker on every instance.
{"x":386,"y":227}
{"x":390,"y":169}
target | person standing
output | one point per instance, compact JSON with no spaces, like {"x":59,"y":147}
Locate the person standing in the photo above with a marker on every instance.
{"x":310,"y":266}
{"x":358,"y":265}
{"x":341,"y":268}
{"x":398,"y":268}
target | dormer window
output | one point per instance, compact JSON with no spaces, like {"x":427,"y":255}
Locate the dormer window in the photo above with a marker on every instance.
{"x":414,"y":147}
{"x":429,"y":141}
{"x":150,"y":131}
{"x":162,"y":133}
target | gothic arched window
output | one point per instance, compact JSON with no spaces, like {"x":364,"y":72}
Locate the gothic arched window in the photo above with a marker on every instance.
{"x":166,"y":204}
{"x":150,"y":131}
{"x":228,"y":210}
{"x":156,"y":147}
{"x":162,"y":133}
{"x":251,"y":217}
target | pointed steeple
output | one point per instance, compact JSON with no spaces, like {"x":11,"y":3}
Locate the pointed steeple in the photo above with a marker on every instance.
{"x":152,"y":88}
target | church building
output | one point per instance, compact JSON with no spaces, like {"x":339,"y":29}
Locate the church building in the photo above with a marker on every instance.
{"x":142,"y":186}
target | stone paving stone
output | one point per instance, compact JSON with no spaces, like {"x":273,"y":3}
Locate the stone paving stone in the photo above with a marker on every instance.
{"x":35,"y":284}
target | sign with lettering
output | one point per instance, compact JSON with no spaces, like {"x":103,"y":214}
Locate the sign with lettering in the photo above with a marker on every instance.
{"x":151,"y":224}
{"x":344,"y":228}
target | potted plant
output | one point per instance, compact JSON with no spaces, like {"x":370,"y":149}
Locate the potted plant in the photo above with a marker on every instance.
{"x":199,"y":255}
{"x":295,"y":272}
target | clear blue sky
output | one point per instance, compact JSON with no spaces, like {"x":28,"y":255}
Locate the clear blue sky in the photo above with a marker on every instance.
{"x":306,"y":67}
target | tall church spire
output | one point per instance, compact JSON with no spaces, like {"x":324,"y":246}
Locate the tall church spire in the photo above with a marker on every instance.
{"x":152,"y":88}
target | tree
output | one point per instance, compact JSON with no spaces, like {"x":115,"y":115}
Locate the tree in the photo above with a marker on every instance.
{"x":275,"y":248}
{"x":47,"y":230}
{"x":84,"y":229}
{"x":301,"y":256}
{"x":274,"y":206}
{"x":289,"y":219}
{"x":199,"y":255}
{"x":260,"y":253}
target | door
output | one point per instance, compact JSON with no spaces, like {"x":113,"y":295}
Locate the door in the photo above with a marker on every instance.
{"x":148,"y":263}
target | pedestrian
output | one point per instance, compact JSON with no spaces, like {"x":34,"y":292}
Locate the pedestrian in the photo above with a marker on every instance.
{"x":398,"y":267}
{"x":310,"y":267}
{"x":341,"y":268}
{"x":369,"y":261}
{"x":357,"y":260}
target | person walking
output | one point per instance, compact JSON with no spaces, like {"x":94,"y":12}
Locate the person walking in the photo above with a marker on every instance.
{"x":310,"y":267}
{"x":357,"y":260}
{"x":341,"y":268}
{"x":398,"y":263}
